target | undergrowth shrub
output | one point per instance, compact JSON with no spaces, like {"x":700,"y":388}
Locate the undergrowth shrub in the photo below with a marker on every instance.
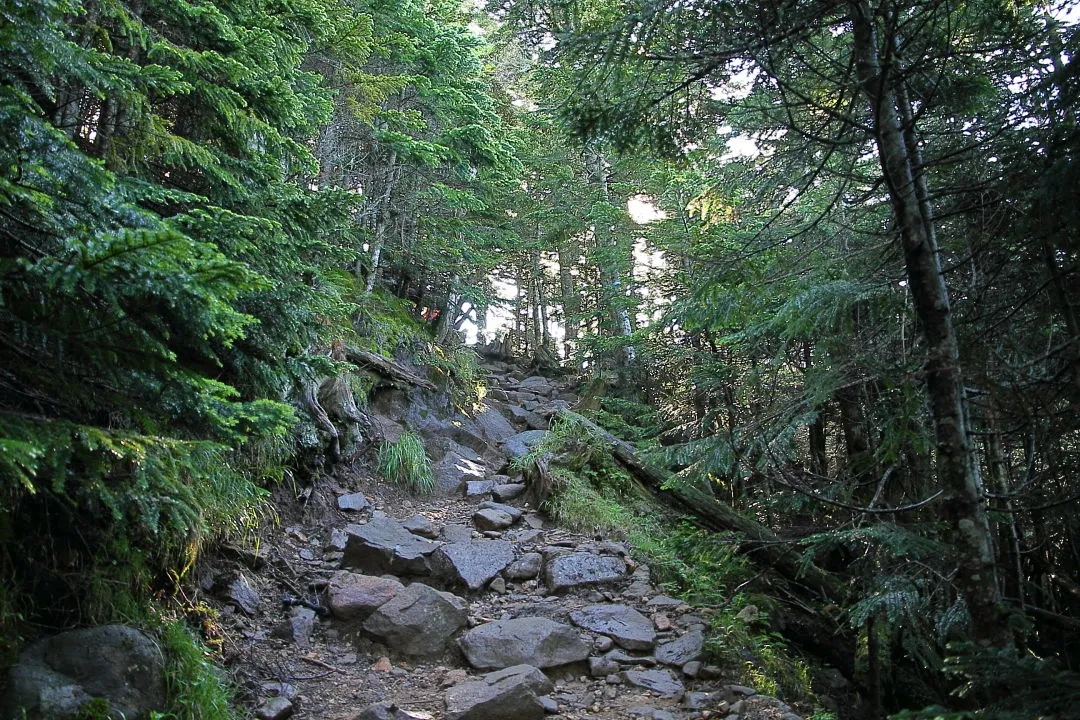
{"x":405,"y":463}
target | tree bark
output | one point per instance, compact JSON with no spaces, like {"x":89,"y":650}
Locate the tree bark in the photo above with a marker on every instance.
{"x":963,"y":500}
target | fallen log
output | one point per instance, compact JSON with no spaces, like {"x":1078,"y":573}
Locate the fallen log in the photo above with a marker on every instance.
{"x":759,"y":542}
{"x":386,"y":367}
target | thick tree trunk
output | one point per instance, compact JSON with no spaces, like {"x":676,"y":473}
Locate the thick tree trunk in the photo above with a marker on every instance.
{"x":964,"y":506}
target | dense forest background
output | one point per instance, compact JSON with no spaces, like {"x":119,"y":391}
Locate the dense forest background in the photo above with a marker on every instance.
{"x":844,"y":319}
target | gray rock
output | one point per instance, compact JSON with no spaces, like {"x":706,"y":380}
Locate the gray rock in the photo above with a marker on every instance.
{"x":54,"y":677}
{"x":472,"y":564}
{"x":625,"y":625}
{"x":453,"y":470}
{"x":550,"y":705}
{"x":276,"y":708}
{"x":510,"y":510}
{"x":602,"y":667}
{"x":530,"y":640}
{"x":498,"y":585}
{"x":553,"y":407}
{"x":507,"y":491}
{"x":243,"y":595}
{"x":537,"y":384}
{"x":573,"y":570}
{"x":384,"y":546}
{"x":692,"y":669}
{"x":490,"y":519}
{"x":664,"y":601}
{"x":493,"y":424}
{"x":475,"y":490}
{"x":740,"y":691}
{"x":527,"y":536}
{"x":353,"y":596}
{"x":355,"y":502}
{"x":301,"y":625}
{"x":456,"y":534}
{"x":534,"y":521}
{"x":386,"y":710}
{"x":524,"y":442}
{"x":509,"y":694}
{"x":659,"y":681}
{"x":419,"y":620}
{"x":527,"y":418}
{"x":624,"y":658}
{"x":702,"y":701}
{"x":338,"y":538}
{"x":421,"y":525}
{"x":681,"y":651}
{"x":525,"y":568}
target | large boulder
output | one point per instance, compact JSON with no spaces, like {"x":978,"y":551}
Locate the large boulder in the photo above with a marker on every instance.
{"x":419,"y":620}
{"x":383,"y":546}
{"x":54,"y":677}
{"x":353,"y":596}
{"x":625,"y":625}
{"x":530,"y":640}
{"x":509,"y":694}
{"x":571,"y":570}
{"x":472,"y":564}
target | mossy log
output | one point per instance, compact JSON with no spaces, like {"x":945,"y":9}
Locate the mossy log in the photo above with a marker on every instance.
{"x":386,"y":367}
{"x":759,"y":542}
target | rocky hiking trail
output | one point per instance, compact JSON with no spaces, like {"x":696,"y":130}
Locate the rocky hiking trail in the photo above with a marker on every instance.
{"x":367,"y":602}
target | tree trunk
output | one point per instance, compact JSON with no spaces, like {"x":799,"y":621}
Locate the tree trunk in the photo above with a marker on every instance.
{"x":963,"y":499}
{"x":819,"y":458}
{"x":569,"y":260}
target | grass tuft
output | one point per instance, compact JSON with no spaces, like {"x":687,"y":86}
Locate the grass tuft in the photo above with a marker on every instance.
{"x":405,"y":463}
{"x":197,"y":688}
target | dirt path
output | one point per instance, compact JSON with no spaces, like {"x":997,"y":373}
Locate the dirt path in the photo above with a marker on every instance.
{"x":367,"y":602}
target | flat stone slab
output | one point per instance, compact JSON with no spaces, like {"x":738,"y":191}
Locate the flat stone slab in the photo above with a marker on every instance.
{"x":354,"y":596}
{"x":683,"y":650}
{"x":383,"y":545}
{"x":509,"y":694}
{"x":492,"y":519}
{"x":355,"y":502}
{"x":659,"y":681}
{"x":510,"y":510}
{"x":474,"y":563}
{"x":507,"y":491}
{"x":571,"y":570}
{"x":535,"y":641}
{"x":419,"y":620}
{"x":476,"y":490}
{"x":625,"y":625}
